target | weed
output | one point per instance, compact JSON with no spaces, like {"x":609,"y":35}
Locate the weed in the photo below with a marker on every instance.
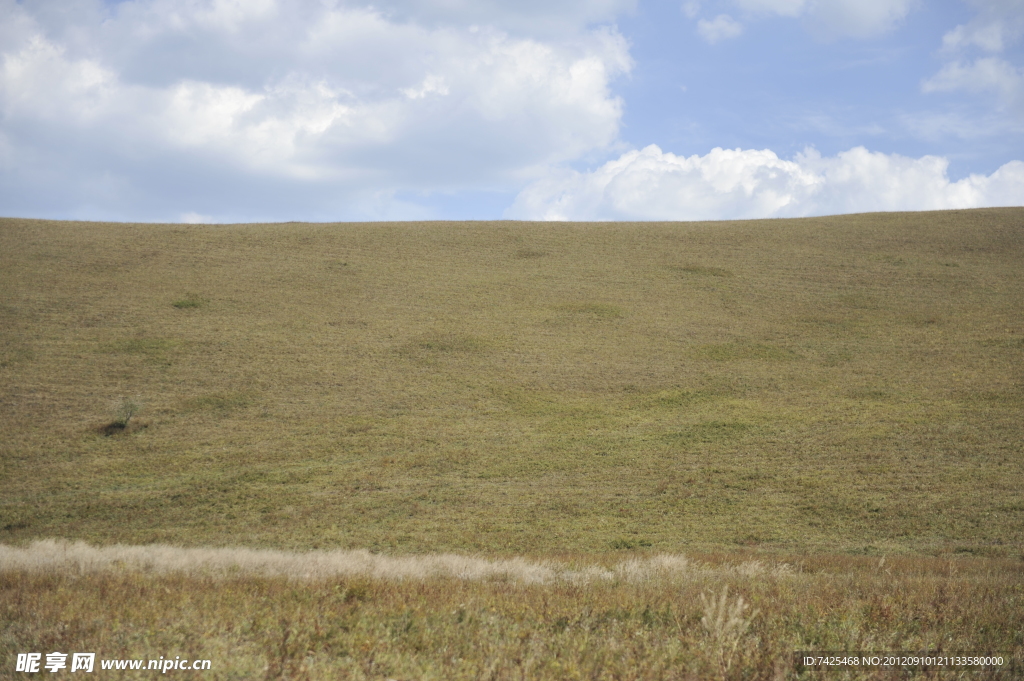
{"x":725,"y":622}
{"x":287,"y":653}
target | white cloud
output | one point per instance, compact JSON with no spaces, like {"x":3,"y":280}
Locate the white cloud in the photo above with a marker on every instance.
{"x":786,"y":8}
{"x":988,"y":37}
{"x":191,"y":218}
{"x":539,"y":18}
{"x":989,"y":73}
{"x":998,"y":24}
{"x":736,"y":184}
{"x":39,"y":81}
{"x":363,"y":100}
{"x":935,"y":127}
{"x":858,"y":18}
{"x":720,"y":28}
{"x":838,"y":18}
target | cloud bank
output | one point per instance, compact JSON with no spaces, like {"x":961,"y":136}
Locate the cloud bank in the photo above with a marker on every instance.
{"x":299,"y":109}
{"x":650,"y":184}
{"x":221,"y":110}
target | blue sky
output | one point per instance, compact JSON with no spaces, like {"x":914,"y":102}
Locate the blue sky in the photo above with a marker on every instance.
{"x":782,"y":86}
{"x":265,"y":110}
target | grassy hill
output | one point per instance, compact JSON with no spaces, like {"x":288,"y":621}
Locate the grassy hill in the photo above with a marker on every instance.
{"x":714,"y":444}
{"x":843,"y":384}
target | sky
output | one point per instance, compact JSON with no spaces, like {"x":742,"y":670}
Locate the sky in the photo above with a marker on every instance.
{"x":336,"y":110}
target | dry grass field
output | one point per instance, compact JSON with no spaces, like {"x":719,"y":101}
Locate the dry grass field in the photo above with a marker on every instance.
{"x":819,"y":393}
{"x":352,"y":615}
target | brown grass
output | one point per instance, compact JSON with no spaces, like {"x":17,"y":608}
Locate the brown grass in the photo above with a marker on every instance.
{"x":353,"y":615}
{"x":79,"y":558}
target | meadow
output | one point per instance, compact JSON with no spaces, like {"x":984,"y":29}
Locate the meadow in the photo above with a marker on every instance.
{"x":834,"y":403}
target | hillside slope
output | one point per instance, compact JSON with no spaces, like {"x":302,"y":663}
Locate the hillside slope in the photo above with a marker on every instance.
{"x":846,"y":384}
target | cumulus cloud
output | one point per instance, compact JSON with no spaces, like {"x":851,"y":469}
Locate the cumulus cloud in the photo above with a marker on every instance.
{"x":720,"y":28}
{"x":280,"y":101}
{"x":837,"y":18}
{"x":650,"y":184}
{"x":997,"y":24}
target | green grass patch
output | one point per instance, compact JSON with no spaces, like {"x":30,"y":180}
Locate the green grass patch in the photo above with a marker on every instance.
{"x":740,"y":351}
{"x":13,"y":354}
{"x":159,"y":351}
{"x":709,"y":432}
{"x":599,"y":310}
{"x":219,"y":403}
{"x":191,"y":301}
{"x":878,"y":394}
{"x":629,"y":544}
{"x":447,"y":343}
{"x":1011,"y":342}
{"x":679,"y":398}
{"x":704,"y":270}
{"x":143,"y":346}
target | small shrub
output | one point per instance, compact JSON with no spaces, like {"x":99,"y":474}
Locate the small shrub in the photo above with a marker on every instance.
{"x":124,"y":409}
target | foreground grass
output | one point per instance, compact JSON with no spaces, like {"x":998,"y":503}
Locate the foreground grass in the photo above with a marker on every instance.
{"x":845,"y":384}
{"x":356,"y":616}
